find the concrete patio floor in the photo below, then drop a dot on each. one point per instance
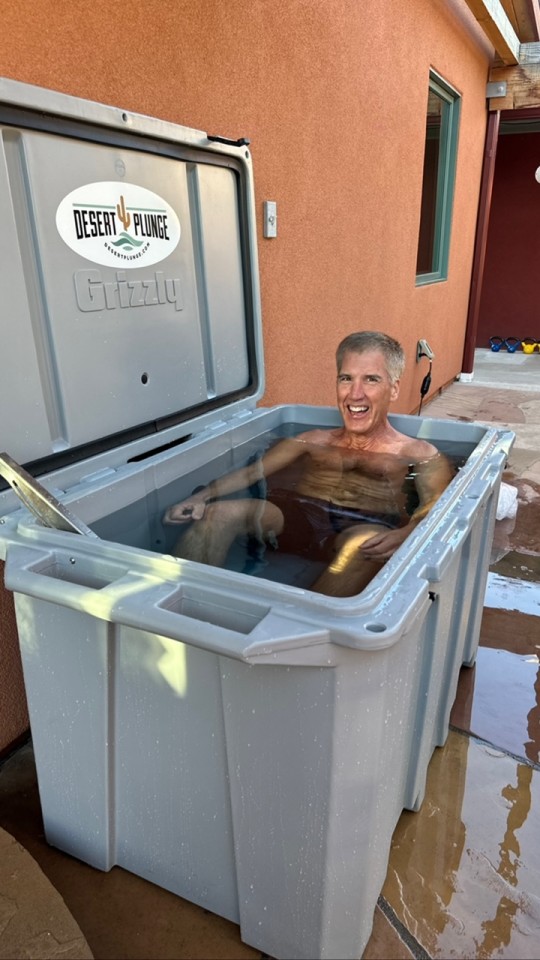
(463, 877)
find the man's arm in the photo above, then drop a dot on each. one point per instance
(432, 477)
(276, 458)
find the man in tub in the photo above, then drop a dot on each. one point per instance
(337, 495)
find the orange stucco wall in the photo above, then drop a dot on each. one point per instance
(332, 94)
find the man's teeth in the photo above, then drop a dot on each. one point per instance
(358, 409)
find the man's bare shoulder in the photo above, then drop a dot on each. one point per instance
(319, 437)
(414, 449)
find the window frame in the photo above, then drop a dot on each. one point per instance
(446, 177)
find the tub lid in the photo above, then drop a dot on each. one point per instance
(128, 269)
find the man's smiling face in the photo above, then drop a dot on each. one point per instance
(364, 392)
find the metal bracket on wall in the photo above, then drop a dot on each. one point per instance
(270, 218)
(496, 89)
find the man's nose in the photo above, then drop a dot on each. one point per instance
(356, 390)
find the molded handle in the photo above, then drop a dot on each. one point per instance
(184, 612)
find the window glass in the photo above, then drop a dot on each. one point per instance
(438, 181)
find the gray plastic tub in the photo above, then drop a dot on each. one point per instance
(247, 744)
(233, 737)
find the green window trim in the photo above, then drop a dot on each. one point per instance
(437, 208)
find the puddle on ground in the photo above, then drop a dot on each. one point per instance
(464, 872)
(498, 699)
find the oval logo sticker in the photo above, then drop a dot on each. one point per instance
(118, 224)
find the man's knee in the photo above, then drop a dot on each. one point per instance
(273, 518)
(218, 510)
(251, 516)
(352, 540)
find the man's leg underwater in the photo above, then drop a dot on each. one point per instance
(349, 572)
(209, 540)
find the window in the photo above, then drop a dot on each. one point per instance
(438, 181)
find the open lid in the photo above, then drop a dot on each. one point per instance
(128, 271)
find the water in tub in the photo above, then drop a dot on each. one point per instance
(377, 490)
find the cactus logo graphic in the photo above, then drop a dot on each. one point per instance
(118, 224)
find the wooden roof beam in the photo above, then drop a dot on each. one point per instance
(520, 85)
(491, 16)
(524, 15)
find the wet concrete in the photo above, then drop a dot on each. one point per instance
(464, 872)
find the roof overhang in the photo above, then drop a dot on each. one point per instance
(508, 24)
(498, 27)
(513, 28)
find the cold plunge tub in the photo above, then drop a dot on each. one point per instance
(247, 744)
(237, 739)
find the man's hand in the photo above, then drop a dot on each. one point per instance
(191, 509)
(381, 546)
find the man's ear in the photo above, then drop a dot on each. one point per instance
(394, 393)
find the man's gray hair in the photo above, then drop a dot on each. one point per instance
(365, 340)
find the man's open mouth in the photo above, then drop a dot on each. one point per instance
(357, 409)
